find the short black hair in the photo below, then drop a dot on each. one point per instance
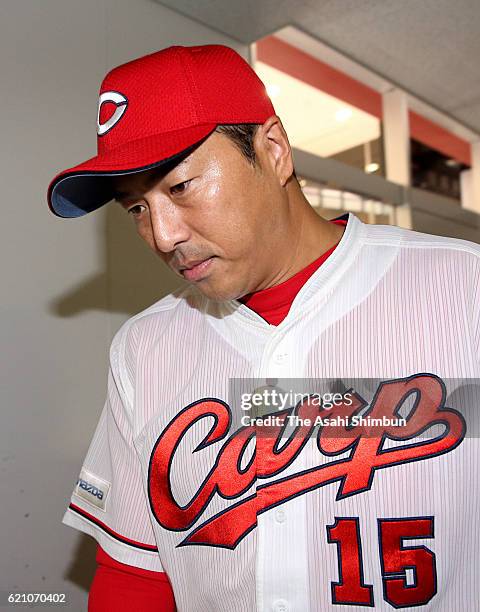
(242, 135)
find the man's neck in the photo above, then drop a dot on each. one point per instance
(274, 303)
(308, 237)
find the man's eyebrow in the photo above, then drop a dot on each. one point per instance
(118, 196)
(156, 175)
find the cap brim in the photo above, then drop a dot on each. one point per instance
(88, 186)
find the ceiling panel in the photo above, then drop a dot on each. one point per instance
(428, 47)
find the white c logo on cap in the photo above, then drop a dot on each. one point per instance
(121, 102)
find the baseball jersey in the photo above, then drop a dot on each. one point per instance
(316, 510)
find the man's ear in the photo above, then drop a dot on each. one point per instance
(272, 148)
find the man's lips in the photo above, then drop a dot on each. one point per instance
(190, 264)
(195, 271)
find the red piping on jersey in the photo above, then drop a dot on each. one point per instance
(109, 531)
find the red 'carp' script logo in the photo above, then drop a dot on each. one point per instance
(354, 473)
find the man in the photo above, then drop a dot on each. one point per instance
(291, 513)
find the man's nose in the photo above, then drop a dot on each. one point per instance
(168, 227)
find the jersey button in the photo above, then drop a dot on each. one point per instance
(280, 357)
(280, 515)
(281, 605)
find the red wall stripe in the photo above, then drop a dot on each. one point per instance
(300, 65)
(440, 139)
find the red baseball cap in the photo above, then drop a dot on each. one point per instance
(154, 109)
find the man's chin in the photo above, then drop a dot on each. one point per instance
(216, 294)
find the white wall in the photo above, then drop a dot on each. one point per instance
(67, 284)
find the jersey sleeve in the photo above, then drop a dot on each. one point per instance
(109, 501)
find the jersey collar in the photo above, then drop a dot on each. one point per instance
(315, 288)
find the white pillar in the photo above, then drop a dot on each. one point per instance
(466, 189)
(403, 216)
(470, 181)
(396, 137)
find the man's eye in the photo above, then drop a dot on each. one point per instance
(179, 187)
(135, 210)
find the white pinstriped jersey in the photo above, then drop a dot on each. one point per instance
(172, 483)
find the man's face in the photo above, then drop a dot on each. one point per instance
(214, 205)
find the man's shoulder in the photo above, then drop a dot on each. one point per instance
(156, 317)
(421, 243)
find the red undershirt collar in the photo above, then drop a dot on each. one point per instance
(274, 303)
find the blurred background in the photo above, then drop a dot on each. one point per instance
(381, 101)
